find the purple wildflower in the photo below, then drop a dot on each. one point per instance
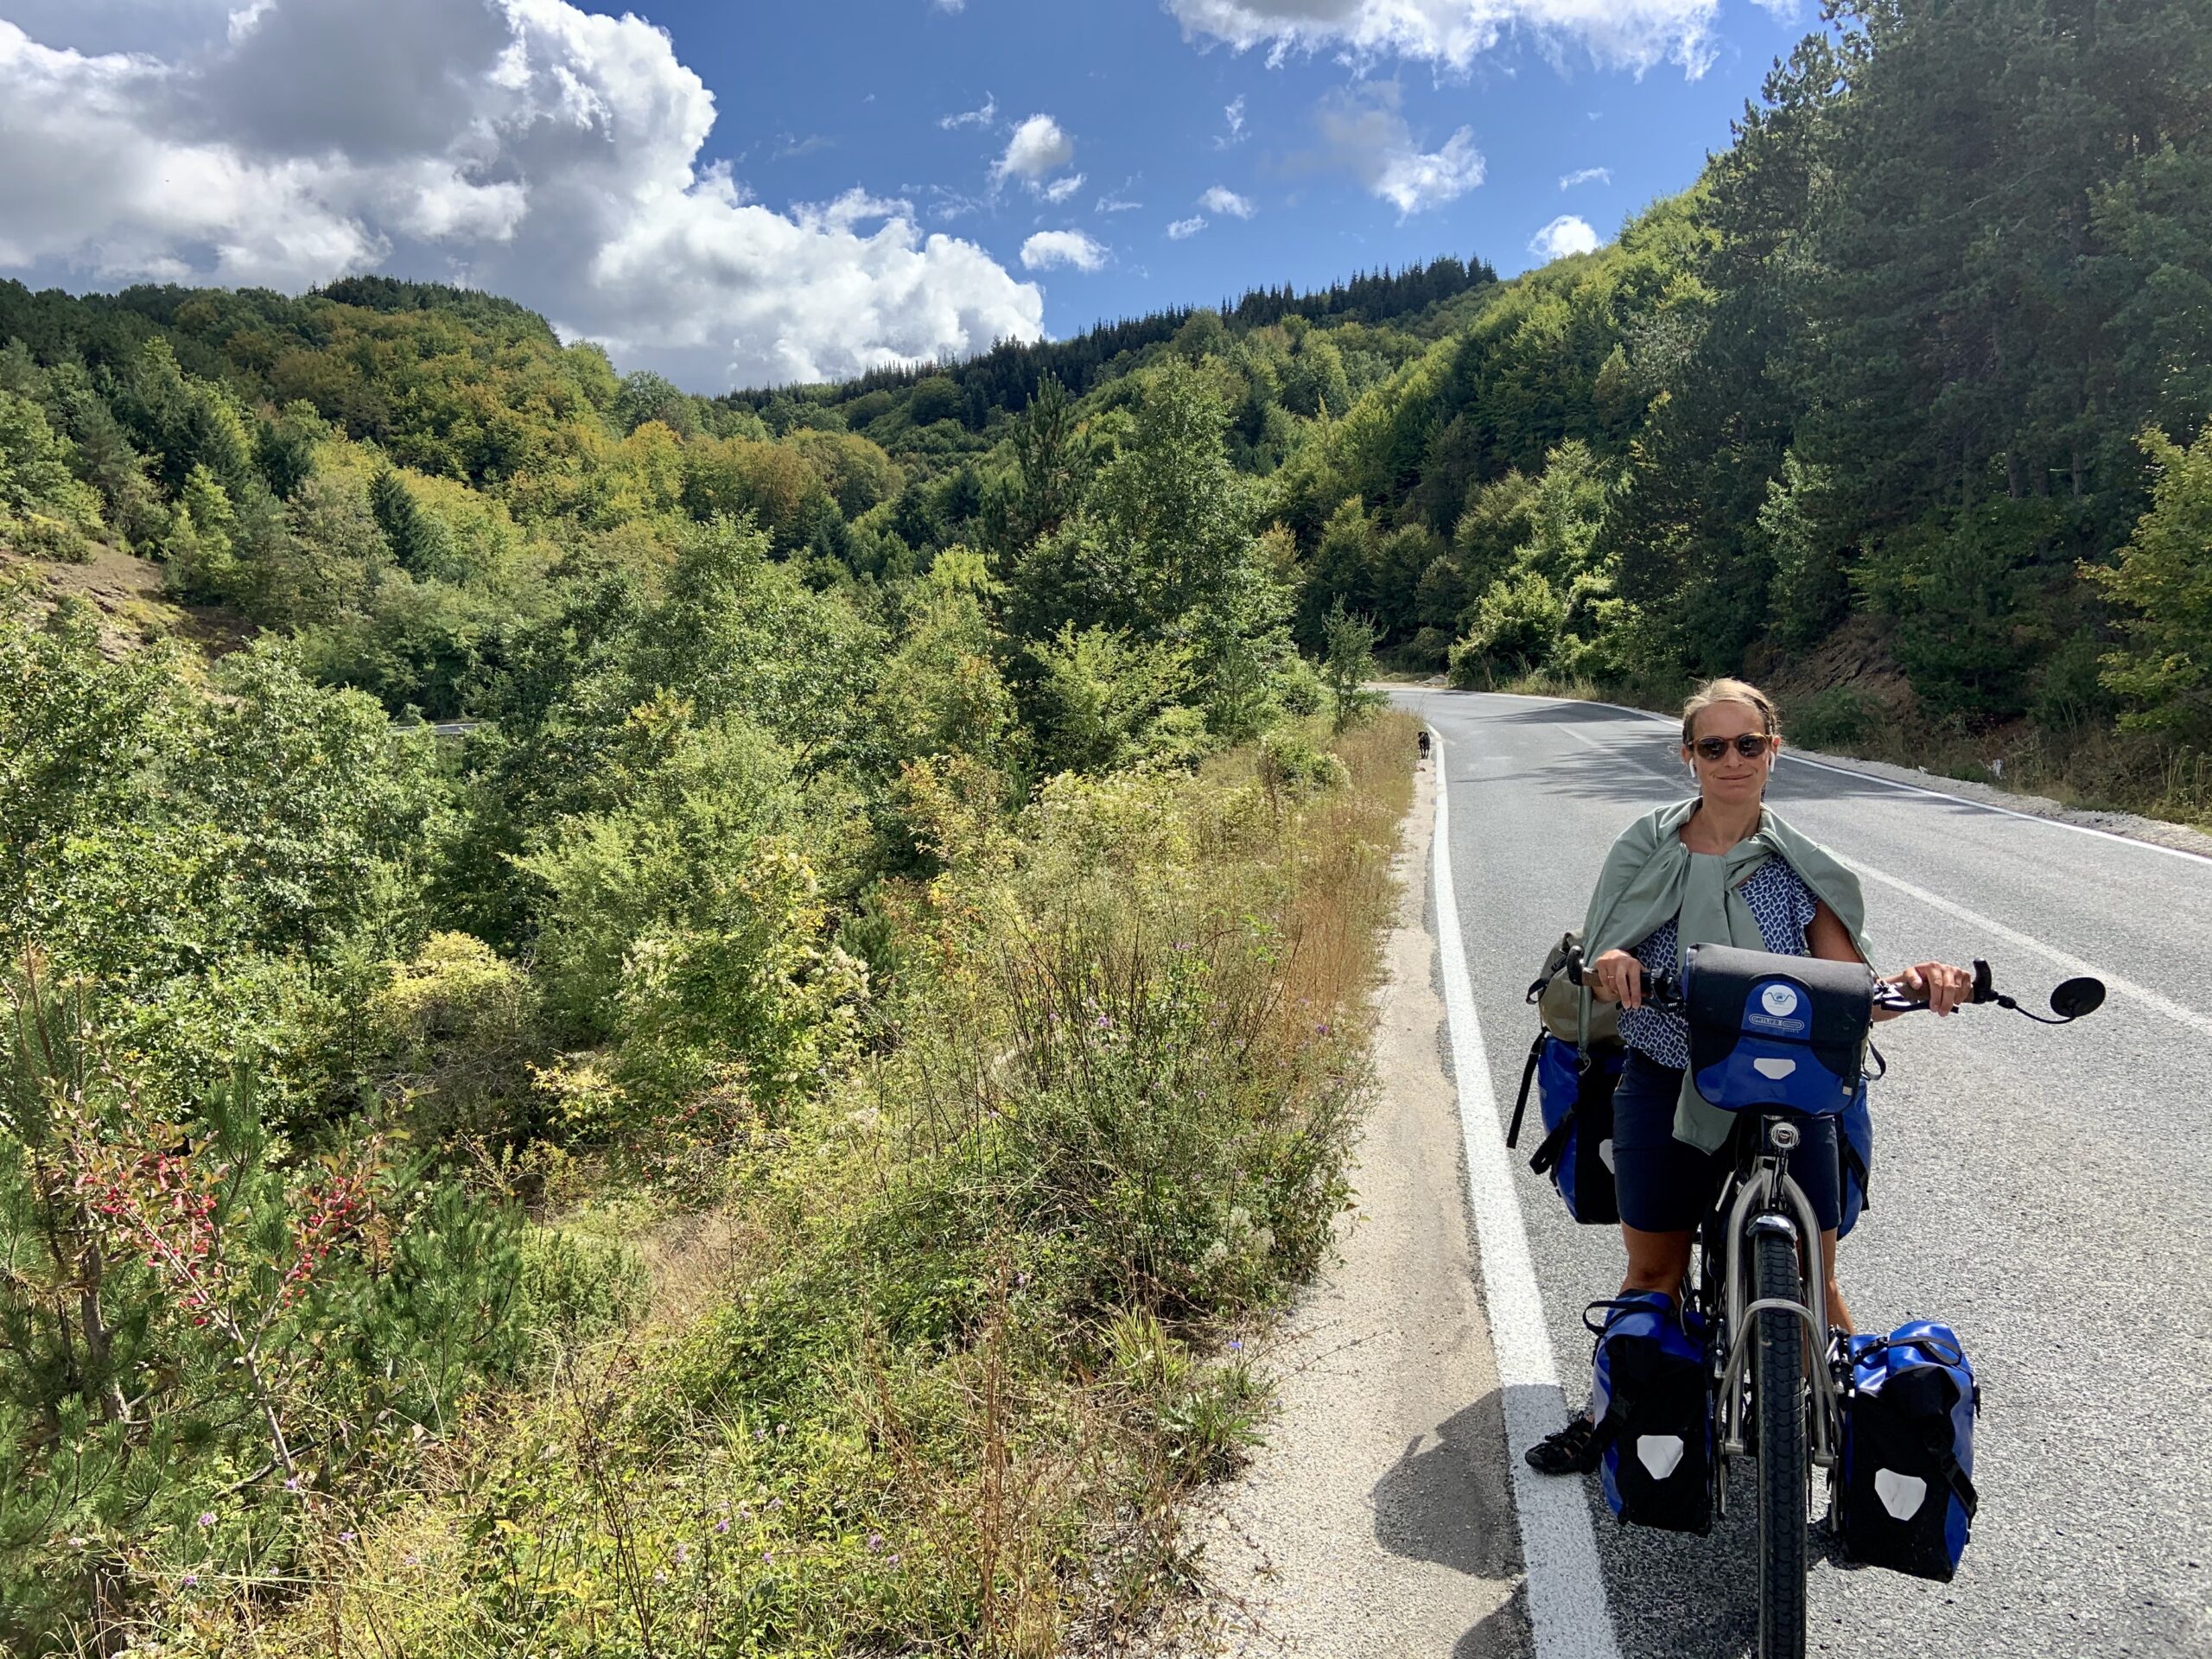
(207, 1517)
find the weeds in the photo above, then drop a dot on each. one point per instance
(937, 1374)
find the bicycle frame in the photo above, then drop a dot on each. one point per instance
(1764, 1198)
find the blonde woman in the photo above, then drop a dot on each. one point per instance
(1720, 868)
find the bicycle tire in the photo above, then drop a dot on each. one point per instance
(1778, 1408)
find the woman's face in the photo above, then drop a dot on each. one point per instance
(1735, 778)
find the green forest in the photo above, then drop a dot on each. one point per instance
(639, 1023)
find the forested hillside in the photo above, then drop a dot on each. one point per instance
(765, 1134)
(768, 1128)
(1895, 407)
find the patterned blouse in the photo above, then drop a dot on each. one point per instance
(1782, 905)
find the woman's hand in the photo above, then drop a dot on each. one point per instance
(1944, 988)
(1616, 976)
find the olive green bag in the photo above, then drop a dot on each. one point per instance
(1558, 1000)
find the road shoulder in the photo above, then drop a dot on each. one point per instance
(1377, 1520)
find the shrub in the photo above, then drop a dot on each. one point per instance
(1838, 719)
(459, 1025)
(1291, 766)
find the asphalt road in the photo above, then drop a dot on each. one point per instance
(2049, 1192)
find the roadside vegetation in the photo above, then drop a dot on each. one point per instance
(761, 1143)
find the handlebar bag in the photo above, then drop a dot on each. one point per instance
(1576, 1101)
(1651, 1402)
(1776, 1031)
(1904, 1495)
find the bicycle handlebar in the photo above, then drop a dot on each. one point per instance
(2073, 999)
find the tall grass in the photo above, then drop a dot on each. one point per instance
(936, 1379)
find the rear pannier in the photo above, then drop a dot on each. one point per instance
(1905, 1492)
(1651, 1405)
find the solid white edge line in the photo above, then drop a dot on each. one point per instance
(1566, 1591)
(2199, 859)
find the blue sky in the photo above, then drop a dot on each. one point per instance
(741, 194)
(1148, 112)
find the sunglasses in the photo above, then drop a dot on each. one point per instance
(1750, 745)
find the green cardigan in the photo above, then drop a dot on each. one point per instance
(1649, 879)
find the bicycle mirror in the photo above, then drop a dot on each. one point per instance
(2077, 997)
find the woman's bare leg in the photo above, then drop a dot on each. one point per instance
(1657, 1261)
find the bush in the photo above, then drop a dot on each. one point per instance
(1838, 720)
(1291, 766)
(459, 1025)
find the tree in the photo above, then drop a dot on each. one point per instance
(2164, 581)
(1348, 663)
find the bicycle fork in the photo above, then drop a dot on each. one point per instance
(1770, 1202)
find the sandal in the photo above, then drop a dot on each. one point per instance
(1573, 1450)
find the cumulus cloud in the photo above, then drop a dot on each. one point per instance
(1564, 235)
(1060, 189)
(1617, 34)
(1049, 248)
(1039, 146)
(1366, 135)
(1183, 228)
(1222, 199)
(1585, 175)
(547, 153)
(981, 117)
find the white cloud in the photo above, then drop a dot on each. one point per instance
(1234, 115)
(950, 5)
(551, 154)
(1222, 199)
(1037, 147)
(1617, 33)
(1049, 248)
(1585, 175)
(1116, 201)
(1060, 189)
(1564, 235)
(1183, 228)
(976, 118)
(1368, 137)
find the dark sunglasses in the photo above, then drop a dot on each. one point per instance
(1750, 745)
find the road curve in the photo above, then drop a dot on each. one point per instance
(2047, 1192)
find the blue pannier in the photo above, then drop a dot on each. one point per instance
(1905, 1492)
(1855, 1146)
(1576, 1101)
(1651, 1402)
(1787, 1032)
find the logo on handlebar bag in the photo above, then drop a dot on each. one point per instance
(1780, 1003)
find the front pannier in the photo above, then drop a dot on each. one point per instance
(1576, 1101)
(1905, 1492)
(1651, 1404)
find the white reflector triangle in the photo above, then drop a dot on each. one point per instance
(1605, 1153)
(1901, 1495)
(1662, 1454)
(1767, 1068)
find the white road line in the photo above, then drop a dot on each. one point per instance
(1975, 919)
(2067, 960)
(1567, 1593)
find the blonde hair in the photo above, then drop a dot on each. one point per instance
(1728, 691)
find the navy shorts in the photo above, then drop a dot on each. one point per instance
(1667, 1186)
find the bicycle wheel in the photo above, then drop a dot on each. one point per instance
(1778, 1411)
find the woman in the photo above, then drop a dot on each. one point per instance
(1720, 869)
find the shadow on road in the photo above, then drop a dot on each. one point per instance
(1445, 1504)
